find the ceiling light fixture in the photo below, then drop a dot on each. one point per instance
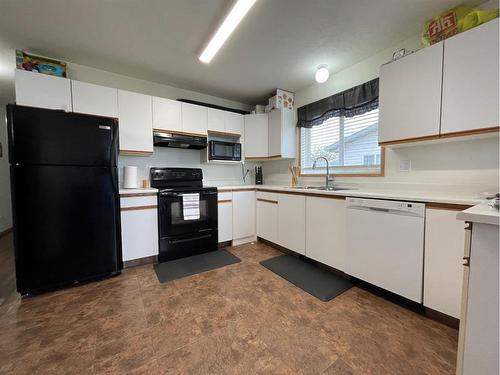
(322, 73)
(240, 9)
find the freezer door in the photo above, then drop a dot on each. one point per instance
(66, 225)
(51, 137)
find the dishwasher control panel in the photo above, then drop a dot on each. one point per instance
(411, 208)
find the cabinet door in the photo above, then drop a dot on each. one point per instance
(42, 90)
(243, 214)
(139, 227)
(470, 80)
(288, 132)
(274, 145)
(167, 114)
(292, 222)
(234, 123)
(410, 95)
(267, 216)
(256, 136)
(216, 120)
(135, 123)
(194, 119)
(225, 214)
(94, 99)
(444, 242)
(325, 231)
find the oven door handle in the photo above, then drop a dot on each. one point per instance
(190, 239)
(170, 194)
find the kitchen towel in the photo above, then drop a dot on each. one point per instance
(191, 206)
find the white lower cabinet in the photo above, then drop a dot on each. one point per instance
(325, 230)
(243, 214)
(139, 222)
(444, 242)
(292, 222)
(267, 216)
(225, 216)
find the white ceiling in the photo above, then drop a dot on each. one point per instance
(278, 44)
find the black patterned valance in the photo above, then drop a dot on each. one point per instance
(355, 101)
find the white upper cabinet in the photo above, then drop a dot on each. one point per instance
(135, 123)
(282, 133)
(194, 119)
(234, 123)
(410, 95)
(470, 80)
(292, 222)
(42, 90)
(256, 136)
(94, 99)
(167, 114)
(216, 120)
(325, 231)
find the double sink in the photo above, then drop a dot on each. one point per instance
(326, 188)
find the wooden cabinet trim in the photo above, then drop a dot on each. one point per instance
(129, 195)
(225, 201)
(243, 189)
(263, 157)
(267, 200)
(227, 134)
(443, 135)
(447, 206)
(139, 208)
(179, 133)
(136, 152)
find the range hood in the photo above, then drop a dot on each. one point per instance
(179, 141)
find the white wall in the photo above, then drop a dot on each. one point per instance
(470, 166)
(213, 174)
(5, 203)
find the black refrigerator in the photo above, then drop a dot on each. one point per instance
(65, 200)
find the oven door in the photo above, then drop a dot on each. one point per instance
(171, 214)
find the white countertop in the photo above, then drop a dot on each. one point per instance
(481, 213)
(407, 195)
(125, 192)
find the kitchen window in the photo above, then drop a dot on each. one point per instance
(349, 143)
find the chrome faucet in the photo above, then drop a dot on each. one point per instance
(328, 178)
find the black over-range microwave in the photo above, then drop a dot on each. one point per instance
(219, 150)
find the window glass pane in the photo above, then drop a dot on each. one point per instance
(349, 143)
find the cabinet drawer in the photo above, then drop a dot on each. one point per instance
(138, 202)
(225, 196)
(267, 196)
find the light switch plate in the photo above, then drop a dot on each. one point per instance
(405, 165)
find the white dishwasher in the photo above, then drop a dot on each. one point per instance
(385, 244)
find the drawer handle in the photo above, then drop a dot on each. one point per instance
(267, 200)
(466, 262)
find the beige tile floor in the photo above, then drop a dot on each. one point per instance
(240, 319)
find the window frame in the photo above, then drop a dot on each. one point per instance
(378, 173)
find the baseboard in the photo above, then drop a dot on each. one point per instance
(224, 244)
(140, 261)
(5, 232)
(241, 241)
(440, 317)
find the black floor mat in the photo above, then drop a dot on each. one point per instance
(175, 269)
(316, 281)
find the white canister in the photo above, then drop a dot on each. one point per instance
(129, 177)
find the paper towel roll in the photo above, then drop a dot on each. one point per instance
(129, 177)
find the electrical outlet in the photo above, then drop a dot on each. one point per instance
(405, 165)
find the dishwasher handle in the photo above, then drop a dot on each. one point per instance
(378, 209)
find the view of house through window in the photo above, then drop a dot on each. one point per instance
(349, 143)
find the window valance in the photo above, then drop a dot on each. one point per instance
(352, 102)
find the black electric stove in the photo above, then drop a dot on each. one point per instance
(182, 234)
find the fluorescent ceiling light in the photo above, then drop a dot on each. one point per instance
(232, 20)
